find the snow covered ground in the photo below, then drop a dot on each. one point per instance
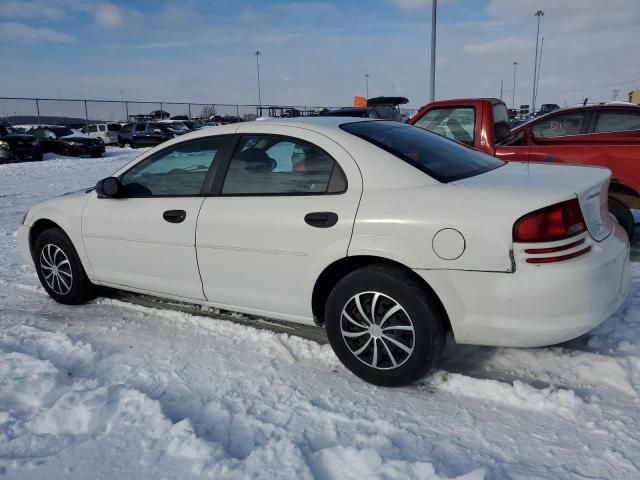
(113, 390)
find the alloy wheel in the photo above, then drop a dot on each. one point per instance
(56, 269)
(377, 330)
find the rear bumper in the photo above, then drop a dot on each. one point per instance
(537, 305)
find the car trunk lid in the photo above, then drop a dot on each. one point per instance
(589, 184)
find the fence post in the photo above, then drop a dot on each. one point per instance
(189, 106)
(38, 110)
(86, 113)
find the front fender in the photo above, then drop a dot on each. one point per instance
(66, 212)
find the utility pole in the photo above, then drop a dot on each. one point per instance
(539, 14)
(614, 94)
(366, 77)
(257, 54)
(432, 85)
(501, 86)
(513, 92)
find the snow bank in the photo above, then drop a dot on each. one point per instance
(518, 394)
(112, 390)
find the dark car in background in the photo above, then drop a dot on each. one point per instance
(146, 134)
(18, 147)
(64, 141)
(384, 108)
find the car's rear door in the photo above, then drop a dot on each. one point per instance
(562, 137)
(146, 240)
(282, 209)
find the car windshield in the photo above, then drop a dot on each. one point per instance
(443, 159)
(7, 130)
(60, 131)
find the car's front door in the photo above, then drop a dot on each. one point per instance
(284, 212)
(146, 240)
(138, 135)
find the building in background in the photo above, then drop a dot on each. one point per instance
(634, 96)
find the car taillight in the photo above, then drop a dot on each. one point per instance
(556, 222)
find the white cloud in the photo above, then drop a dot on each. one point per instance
(109, 15)
(500, 46)
(13, 32)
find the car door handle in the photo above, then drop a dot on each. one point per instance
(174, 216)
(321, 219)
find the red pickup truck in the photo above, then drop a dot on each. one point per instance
(605, 135)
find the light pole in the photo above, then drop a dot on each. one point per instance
(432, 85)
(513, 92)
(539, 66)
(539, 14)
(257, 54)
(366, 77)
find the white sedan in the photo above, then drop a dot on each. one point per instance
(388, 235)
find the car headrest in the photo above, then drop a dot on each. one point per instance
(255, 159)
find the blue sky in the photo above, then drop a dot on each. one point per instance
(314, 52)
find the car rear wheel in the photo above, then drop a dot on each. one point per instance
(65, 152)
(385, 326)
(59, 268)
(623, 216)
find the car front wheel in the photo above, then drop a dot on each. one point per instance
(384, 325)
(59, 268)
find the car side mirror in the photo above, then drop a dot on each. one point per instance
(109, 187)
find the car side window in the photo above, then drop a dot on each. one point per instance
(102, 128)
(562, 125)
(179, 170)
(275, 165)
(140, 127)
(617, 121)
(456, 123)
(92, 129)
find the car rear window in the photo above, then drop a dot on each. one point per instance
(443, 159)
(113, 127)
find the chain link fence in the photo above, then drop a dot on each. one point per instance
(19, 110)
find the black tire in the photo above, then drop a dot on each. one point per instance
(80, 289)
(65, 152)
(420, 309)
(624, 216)
(96, 155)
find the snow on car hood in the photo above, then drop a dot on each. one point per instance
(589, 184)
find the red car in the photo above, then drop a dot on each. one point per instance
(605, 135)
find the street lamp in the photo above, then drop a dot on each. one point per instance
(257, 54)
(432, 86)
(539, 14)
(513, 92)
(366, 76)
